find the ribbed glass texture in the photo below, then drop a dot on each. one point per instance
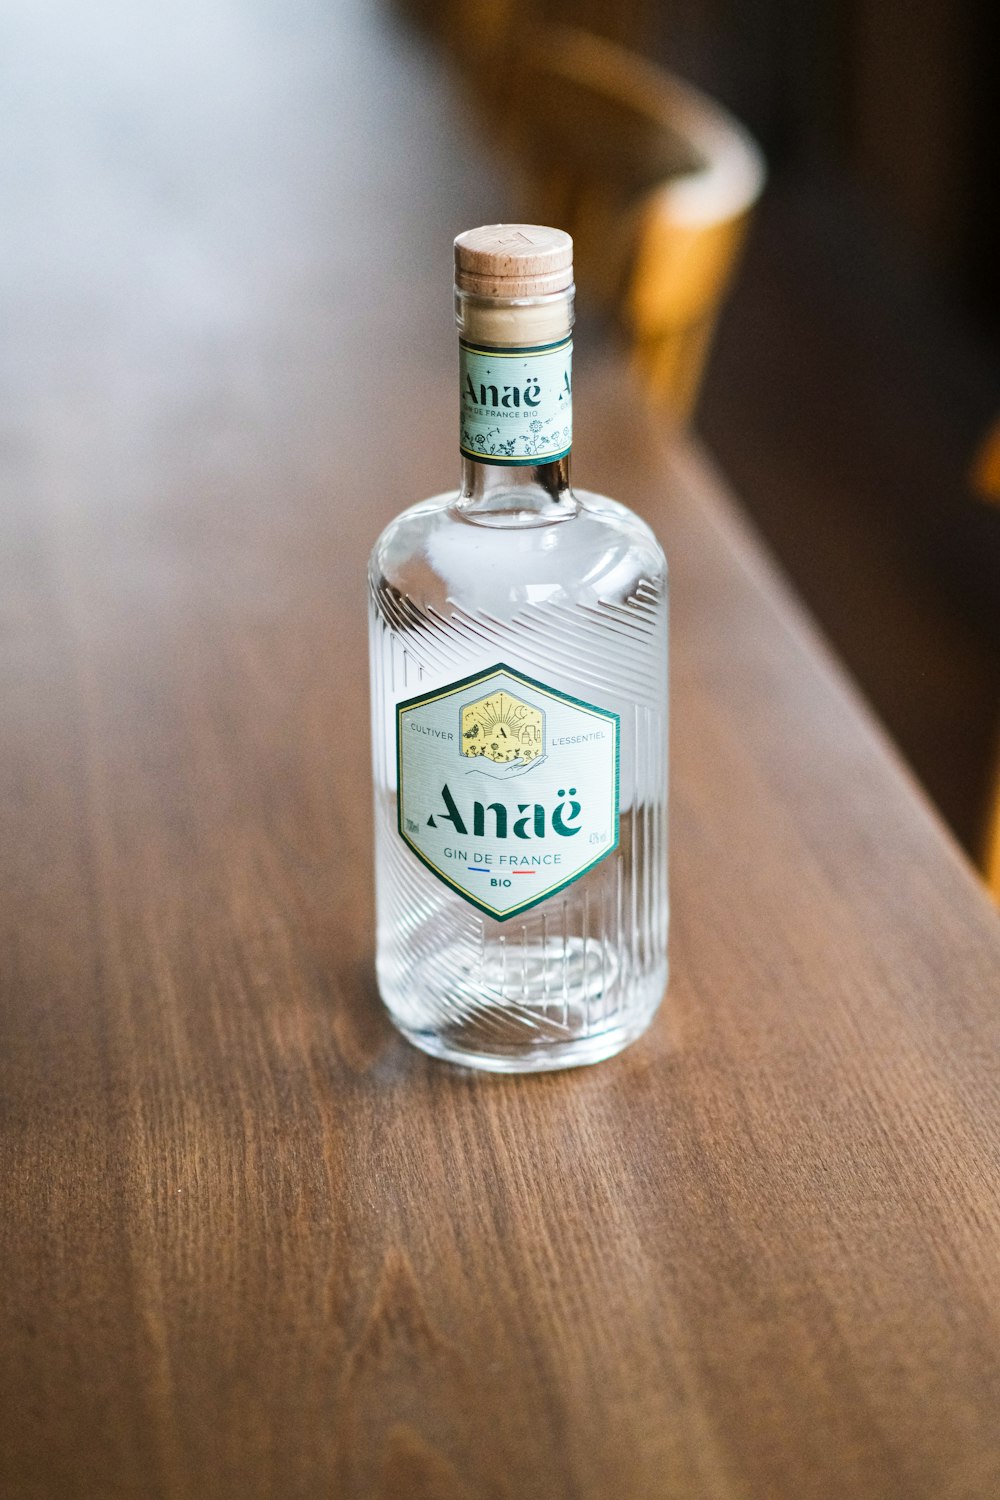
(580, 604)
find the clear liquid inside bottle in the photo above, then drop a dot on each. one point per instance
(580, 603)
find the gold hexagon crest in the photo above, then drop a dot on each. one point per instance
(503, 729)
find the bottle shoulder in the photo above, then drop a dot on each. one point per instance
(602, 553)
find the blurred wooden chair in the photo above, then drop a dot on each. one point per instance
(654, 181)
(985, 483)
(991, 859)
(632, 23)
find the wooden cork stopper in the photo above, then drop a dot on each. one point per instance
(513, 260)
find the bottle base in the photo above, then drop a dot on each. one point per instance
(538, 1057)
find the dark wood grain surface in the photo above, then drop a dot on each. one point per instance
(251, 1244)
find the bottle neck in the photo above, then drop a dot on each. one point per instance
(516, 409)
(523, 496)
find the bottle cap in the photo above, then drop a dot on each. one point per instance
(513, 260)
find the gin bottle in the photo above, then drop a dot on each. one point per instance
(519, 708)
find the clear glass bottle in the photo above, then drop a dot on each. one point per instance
(519, 709)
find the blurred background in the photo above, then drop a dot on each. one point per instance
(842, 361)
(785, 212)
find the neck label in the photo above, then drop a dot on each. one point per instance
(516, 404)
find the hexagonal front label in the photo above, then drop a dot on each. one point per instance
(508, 789)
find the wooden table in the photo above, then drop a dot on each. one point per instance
(251, 1244)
